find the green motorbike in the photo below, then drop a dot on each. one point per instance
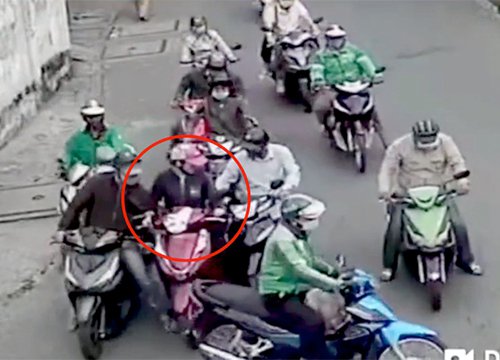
(429, 246)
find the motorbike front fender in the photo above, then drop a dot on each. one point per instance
(391, 334)
(85, 307)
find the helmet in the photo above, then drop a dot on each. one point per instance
(122, 162)
(92, 108)
(257, 137)
(220, 86)
(302, 212)
(188, 153)
(286, 4)
(198, 24)
(335, 36)
(425, 134)
(105, 155)
(217, 61)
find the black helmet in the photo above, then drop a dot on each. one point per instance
(217, 61)
(197, 21)
(256, 137)
(220, 79)
(425, 134)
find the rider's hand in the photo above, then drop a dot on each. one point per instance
(59, 236)
(463, 186)
(174, 104)
(219, 212)
(384, 195)
(233, 60)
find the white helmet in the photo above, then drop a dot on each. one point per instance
(92, 108)
(302, 212)
(335, 31)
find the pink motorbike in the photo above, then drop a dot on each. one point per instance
(186, 233)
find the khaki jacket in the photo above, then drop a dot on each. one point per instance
(404, 166)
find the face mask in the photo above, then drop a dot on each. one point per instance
(220, 94)
(200, 30)
(286, 4)
(309, 225)
(336, 44)
(428, 143)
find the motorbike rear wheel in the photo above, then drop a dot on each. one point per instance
(415, 347)
(435, 289)
(360, 152)
(89, 339)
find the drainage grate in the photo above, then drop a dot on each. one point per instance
(120, 51)
(142, 29)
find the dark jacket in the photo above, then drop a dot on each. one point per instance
(227, 117)
(196, 83)
(100, 197)
(197, 191)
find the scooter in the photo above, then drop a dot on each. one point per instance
(103, 295)
(184, 233)
(234, 327)
(264, 216)
(297, 49)
(350, 126)
(429, 246)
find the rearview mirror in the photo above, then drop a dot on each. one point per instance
(319, 20)
(276, 184)
(340, 260)
(461, 175)
(236, 47)
(381, 69)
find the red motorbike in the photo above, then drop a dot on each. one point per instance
(187, 233)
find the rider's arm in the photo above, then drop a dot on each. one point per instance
(454, 157)
(317, 72)
(83, 198)
(389, 168)
(116, 140)
(302, 270)
(186, 56)
(290, 167)
(221, 45)
(365, 62)
(306, 17)
(229, 177)
(268, 19)
(325, 268)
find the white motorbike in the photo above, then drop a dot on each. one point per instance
(351, 125)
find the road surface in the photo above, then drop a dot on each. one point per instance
(442, 60)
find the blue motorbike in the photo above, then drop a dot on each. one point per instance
(234, 327)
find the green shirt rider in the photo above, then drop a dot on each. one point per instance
(289, 270)
(338, 62)
(82, 146)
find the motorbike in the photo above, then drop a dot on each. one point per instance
(75, 179)
(103, 295)
(234, 327)
(264, 216)
(297, 49)
(185, 233)
(429, 246)
(351, 126)
(217, 157)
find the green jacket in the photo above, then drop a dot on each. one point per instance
(81, 147)
(290, 267)
(335, 67)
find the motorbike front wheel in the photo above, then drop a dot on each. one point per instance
(415, 348)
(435, 289)
(89, 339)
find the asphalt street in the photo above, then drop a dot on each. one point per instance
(442, 59)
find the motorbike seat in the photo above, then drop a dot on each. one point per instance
(240, 298)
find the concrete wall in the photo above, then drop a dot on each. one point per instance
(34, 58)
